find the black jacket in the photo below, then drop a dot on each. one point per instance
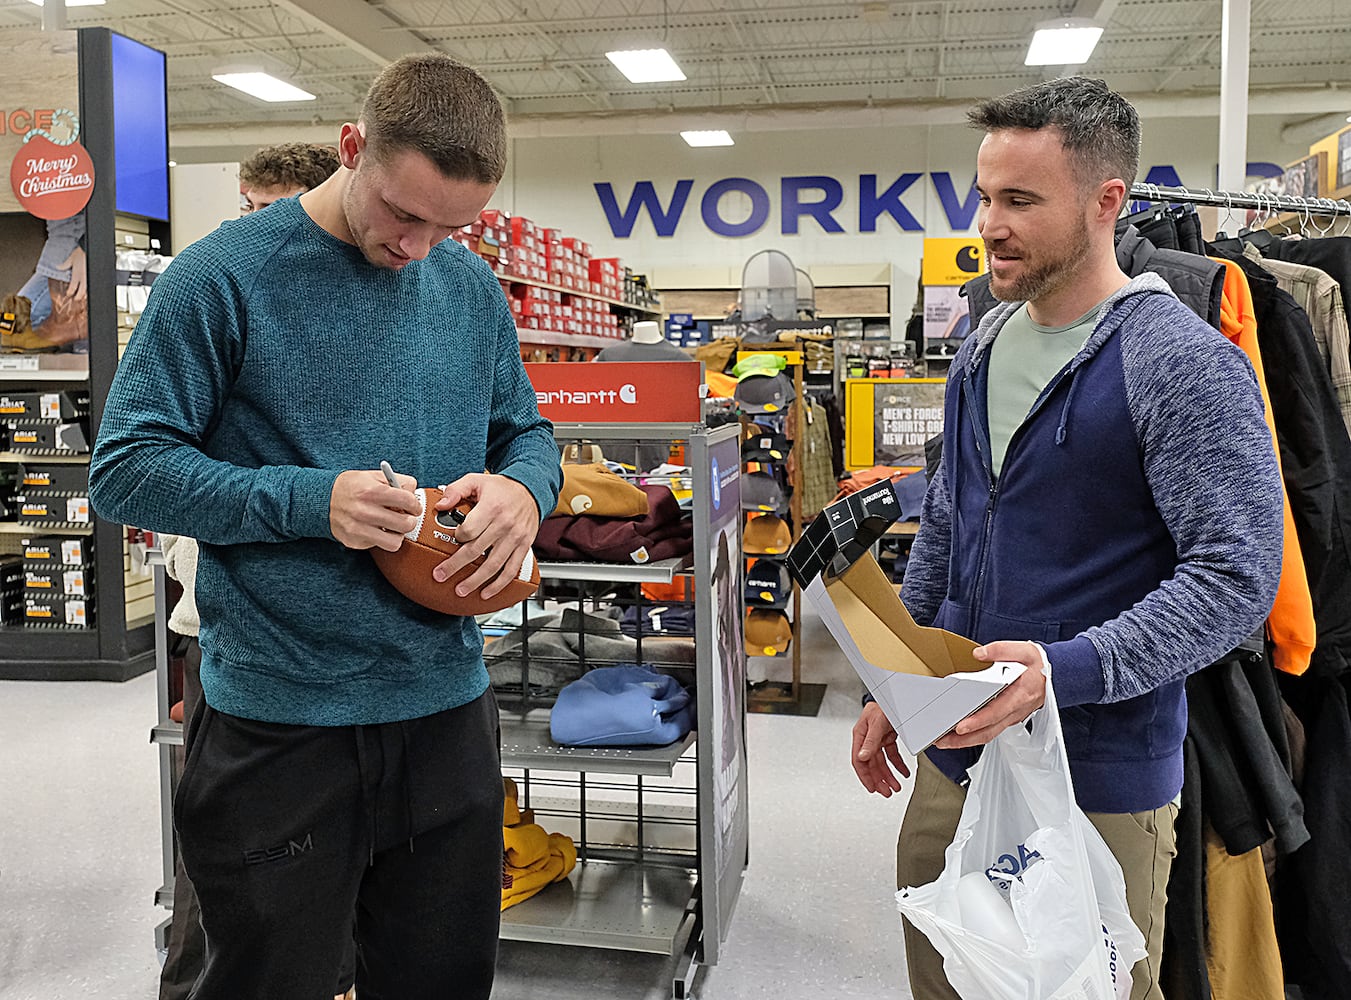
(1315, 459)
(1313, 904)
(1198, 282)
(1246, 789)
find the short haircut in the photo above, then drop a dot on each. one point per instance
(289, 165)
(1099, 128)
(443, 109)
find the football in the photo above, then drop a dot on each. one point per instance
(431, 542)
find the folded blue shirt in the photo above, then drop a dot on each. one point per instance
(622, 706)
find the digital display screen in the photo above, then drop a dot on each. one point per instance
(140, 129)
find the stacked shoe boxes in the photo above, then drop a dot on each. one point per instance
(46, 423)
(53, 496)
(58, 586)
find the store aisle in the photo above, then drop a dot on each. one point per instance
(79, 840)
(80, 857)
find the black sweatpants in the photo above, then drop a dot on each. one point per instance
(290, 833)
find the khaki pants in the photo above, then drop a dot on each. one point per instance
(1142, 843)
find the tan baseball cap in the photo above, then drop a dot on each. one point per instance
(766, 535)
(768, 632)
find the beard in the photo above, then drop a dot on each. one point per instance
(1042, 273)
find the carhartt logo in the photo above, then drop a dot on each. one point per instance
(290, 849)
(626, 393)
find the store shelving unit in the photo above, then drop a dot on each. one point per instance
(119, 643)
(662, 839)
(581, 346)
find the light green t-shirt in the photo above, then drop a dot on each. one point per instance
(1023, 360)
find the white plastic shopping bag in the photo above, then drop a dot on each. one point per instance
(1031, 904)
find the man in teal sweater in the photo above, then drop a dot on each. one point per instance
(344, 766)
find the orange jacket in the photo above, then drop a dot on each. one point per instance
(1290, 626)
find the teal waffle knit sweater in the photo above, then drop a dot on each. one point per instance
(272, 357)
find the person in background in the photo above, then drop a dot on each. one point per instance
(284, 170)
(280, 171)
(1107, 508)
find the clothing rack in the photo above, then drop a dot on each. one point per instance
(1305, 207)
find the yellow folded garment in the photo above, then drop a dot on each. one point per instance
(524, 844)
(519, 884)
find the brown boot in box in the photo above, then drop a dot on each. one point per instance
(68, 324)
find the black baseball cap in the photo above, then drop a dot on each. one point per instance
(768, 584)
(768, 446)
(764, 393)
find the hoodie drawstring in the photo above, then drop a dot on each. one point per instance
(1063, 430)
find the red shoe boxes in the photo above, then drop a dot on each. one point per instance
(606, 274)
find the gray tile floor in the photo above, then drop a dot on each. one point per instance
(80, 860)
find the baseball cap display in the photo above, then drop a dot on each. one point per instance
(766, 535)
(762, 491)
(768, 584)
(766, 446)
(768, 632)
(764, 393)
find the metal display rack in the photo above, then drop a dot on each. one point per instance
(661, 832)
(661, 854)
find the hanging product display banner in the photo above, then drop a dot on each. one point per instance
(889, 419)
(618, 392)
(52, 181)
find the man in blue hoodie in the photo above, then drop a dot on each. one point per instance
(343, 768)
(1108, 503)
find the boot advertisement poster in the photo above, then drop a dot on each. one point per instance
(43, 295)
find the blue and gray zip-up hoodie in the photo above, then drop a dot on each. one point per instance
(1134, 531)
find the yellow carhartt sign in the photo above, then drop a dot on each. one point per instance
(952, 261)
